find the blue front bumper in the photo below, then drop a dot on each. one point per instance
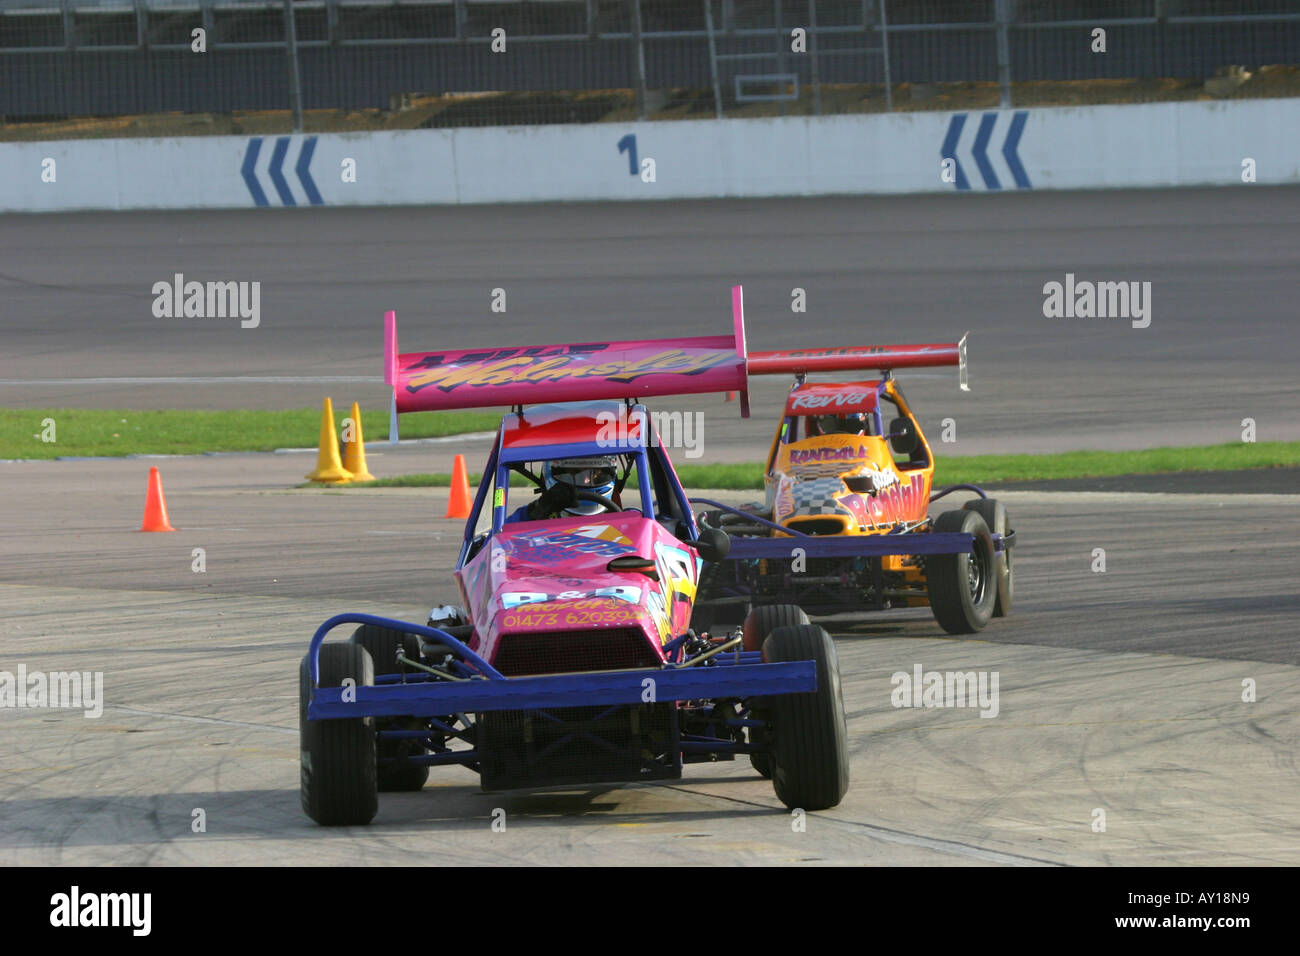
(727, 676)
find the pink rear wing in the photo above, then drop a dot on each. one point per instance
(518, 375)
(858, 358)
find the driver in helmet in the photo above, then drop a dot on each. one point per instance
(562, 481)
(856, 423)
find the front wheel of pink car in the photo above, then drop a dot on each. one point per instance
(761, 622)
(338, 755)
(810, 752)
(393, 773)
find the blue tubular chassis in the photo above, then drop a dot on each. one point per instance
(846, 573)
(745, 548)
(473, 686)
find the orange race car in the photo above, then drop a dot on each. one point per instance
(846, 524)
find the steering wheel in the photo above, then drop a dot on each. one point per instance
(606, 503)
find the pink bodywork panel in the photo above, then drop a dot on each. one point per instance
(552, 576)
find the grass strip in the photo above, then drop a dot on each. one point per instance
(115, 432)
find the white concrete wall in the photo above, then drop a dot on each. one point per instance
(1161, 144)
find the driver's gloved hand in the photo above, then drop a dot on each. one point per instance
(553, 501)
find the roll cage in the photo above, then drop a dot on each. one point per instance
(660, 493)
(793, 427)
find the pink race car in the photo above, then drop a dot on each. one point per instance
(570, 659)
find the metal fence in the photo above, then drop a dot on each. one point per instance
(365, 64)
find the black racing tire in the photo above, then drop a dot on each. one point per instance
(762, 621)
(995, 516)
(759, 623)
(394, 775)
(810, 751)
(338, 777)
(962, 587)
(382, 643)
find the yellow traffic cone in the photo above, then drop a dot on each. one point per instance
(328, 466)
(354, 452)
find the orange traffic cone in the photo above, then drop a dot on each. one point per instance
(354, 452)
(328, 466)
(731, 397)
(459, 504)
(155, 505)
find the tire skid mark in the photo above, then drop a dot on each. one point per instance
(889, 835)
(203, 720)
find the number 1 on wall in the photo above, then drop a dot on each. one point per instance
(628, 145)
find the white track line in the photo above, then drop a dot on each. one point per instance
(1154, 497)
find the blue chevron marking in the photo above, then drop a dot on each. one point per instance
(246, 170)
(277, 174)
(979, 150)
(949, 148)
(303, 169)
(1009, 150)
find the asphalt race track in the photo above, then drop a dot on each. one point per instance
(1221, 344)
(1120, 691)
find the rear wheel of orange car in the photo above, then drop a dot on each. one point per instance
(963, 587)
(995, 516)
(761, 622)
(810, 752)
